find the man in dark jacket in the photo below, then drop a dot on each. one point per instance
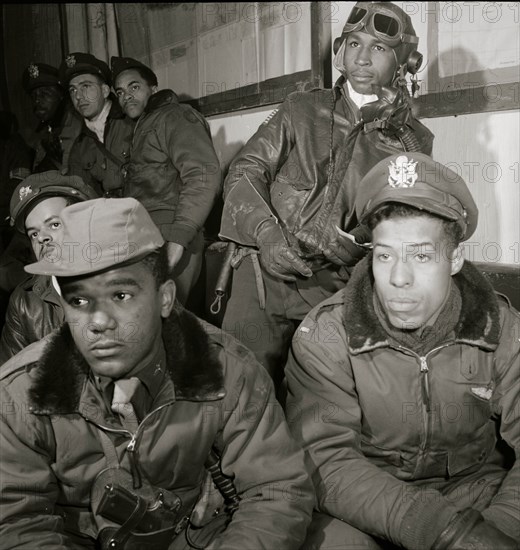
(173, 170)
(403, 388)
(58, 123)
(34, 308)
(289, 194)
(101, 150)
(167, 402)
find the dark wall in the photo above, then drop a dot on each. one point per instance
(30, 32)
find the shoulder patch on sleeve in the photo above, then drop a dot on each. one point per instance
(28, 355)
(271, 115)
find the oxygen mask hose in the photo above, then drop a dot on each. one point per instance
(390, 114)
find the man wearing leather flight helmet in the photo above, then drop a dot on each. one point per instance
(289, 195)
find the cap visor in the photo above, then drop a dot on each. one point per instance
(60, 268)
(418, 198)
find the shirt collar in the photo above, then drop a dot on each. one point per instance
(97, 124)
(151, 376)
(360, 99)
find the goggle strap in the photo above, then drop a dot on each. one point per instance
(410, 38)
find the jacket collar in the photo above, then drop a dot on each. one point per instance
(192, 364)
(161, 99)
(479, 322)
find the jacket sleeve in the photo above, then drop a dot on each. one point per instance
(504, 510)
(247, 201)
(79, 156)
(268, 467)
(324, 415)
(189, 146)
(424, 136)
(17, 254)
(28, 491)
(13, 334)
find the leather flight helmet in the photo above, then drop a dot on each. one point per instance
(389, 24)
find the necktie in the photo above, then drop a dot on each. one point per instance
(124, 390)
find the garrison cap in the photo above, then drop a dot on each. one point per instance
(83, 63)
(40, 74)
(100, 234)
(45, 185)
(120, 64)
(417, 180)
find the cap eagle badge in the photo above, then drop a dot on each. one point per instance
(70, 61)
(402, 172)
(25, 191)
(33, 70)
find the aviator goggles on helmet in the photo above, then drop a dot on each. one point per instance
(379, 21)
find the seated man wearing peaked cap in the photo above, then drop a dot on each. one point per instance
(111, 424)
(102, 148)
(404, 387)
(34, 308)
(58, 124)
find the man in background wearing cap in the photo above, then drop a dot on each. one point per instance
(403, 388)
(144, 388)
(58, 124)
(102, 148)
(292, 187)
(173, 171)
(34, 308)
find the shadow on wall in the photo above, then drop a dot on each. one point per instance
(463, 145)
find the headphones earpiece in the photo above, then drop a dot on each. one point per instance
(414, 62)
(337, 44)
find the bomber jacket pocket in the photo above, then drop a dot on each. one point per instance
(469, 457)
(381, 456)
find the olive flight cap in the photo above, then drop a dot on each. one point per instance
(99, 235)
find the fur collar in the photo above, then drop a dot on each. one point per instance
(192, 364)
(160, 99)
(479, 322)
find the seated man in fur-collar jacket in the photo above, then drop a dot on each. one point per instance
(414, 368)
(137, 425)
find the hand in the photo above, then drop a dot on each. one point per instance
(276, 255)
(469, 531)
(343, 250)
(175, 252)
(485, 536)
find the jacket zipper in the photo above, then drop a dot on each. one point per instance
(131, 447)
(425, 383)
(425, 390)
